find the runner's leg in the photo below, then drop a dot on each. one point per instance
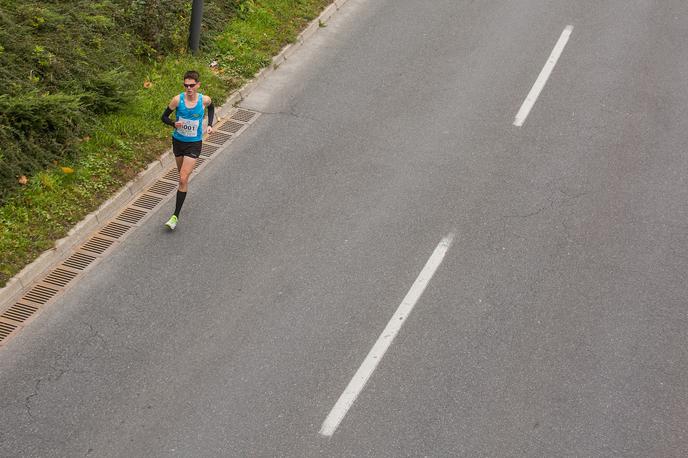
(185, 169)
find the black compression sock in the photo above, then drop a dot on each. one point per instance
(180, 201)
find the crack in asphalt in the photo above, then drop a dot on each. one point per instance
(528, 215)
(290, 113)
(553, 202)
(27, 400)
(57, 372)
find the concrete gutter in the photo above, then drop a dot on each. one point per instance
(24, 280)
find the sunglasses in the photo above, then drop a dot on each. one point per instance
(189, 85)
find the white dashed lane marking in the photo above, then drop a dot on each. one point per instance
(385, 340)
(543, 77)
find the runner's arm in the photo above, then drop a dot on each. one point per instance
(211, 114)
(166, 117)
(174, 103)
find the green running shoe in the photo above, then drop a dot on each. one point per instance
(172, 222)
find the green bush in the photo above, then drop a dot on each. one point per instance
(161, 25)
(63, 62)
(107, 92)
(37, 130)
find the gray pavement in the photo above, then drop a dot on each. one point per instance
(554, 327)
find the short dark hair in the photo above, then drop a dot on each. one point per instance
(192, 75)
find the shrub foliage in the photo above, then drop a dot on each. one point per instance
(64, 63)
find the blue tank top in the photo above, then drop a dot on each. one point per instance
(192, 119)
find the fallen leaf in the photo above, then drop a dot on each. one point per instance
(67, 169)
(147, 84)
(23, 180)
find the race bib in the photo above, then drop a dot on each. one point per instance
(189, 127)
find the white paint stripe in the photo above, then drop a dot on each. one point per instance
(542, 78)
(371, 361)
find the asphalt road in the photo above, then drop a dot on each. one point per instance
(554, 326)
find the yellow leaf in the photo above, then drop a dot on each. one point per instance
(67, 169)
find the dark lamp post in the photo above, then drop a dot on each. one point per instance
(195, 28)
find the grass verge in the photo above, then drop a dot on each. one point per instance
(122, 144)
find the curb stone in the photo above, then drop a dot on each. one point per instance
(20, 283)
(327, 13)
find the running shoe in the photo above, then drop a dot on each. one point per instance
(172, 222)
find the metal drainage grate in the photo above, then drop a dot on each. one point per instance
(97, 245)
(79, 261)
(218, 138)
(172, 175)
(6, 329)
(40, 294)
(131, 215)
(114, 230)
(19, 312)
(147, 202)
(243, 115)
(208, 150)
(162, 187)
(12, 319)
(60, 277)
(231, 127)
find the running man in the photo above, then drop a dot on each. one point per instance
(187, 137)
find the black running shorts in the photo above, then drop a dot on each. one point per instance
(191, 149)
